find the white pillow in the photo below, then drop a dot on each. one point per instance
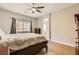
(2, 34)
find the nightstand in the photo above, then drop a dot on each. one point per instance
(4, 50)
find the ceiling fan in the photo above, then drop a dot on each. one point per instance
(34, 8)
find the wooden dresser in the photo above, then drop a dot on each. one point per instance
(38, 30)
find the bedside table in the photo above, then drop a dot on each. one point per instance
(4, 50)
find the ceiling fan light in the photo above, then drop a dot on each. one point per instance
(33, 9)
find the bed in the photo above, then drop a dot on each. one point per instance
(25, 43)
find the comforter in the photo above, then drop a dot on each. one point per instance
(23, 40)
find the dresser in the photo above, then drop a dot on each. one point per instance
(37, 30)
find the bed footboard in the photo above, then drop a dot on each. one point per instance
(31, 50)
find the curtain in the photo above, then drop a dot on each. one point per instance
(13, 26)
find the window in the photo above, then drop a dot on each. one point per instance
(23, 26)
(45, 25)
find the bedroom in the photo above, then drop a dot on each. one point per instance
(54, 21)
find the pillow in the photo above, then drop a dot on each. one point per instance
(2, 34)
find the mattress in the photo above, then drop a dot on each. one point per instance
(23, 40)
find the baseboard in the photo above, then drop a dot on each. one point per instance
(63, 43)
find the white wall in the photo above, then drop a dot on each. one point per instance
(63, 25)
(5, 20)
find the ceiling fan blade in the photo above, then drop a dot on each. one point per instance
(38, 11)
(40, 7)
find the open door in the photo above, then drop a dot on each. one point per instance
(77, 30)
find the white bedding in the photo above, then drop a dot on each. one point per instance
(20, 41)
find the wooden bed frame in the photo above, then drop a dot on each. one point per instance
(31, 50)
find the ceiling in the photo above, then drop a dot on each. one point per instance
(21, 7)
